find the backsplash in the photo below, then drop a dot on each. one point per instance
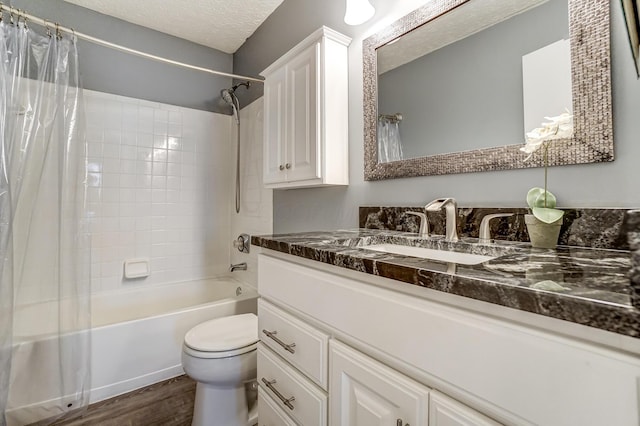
(633, 224)
(597, 228)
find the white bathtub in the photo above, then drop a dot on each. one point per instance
(136, 336)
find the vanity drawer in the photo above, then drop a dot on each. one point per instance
(269, 414)
(305, 347)
(306, 404)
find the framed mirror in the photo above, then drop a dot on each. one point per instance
(449, 77)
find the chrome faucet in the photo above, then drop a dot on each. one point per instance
(424, 224)
(485, 230)
(451, 208)
(238, 267)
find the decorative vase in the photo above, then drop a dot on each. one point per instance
(541, 234)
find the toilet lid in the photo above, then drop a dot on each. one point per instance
(223, 334)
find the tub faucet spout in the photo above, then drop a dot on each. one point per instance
(238, 267)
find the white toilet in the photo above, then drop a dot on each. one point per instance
(220, 355)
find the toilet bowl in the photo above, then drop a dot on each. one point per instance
(220, 355)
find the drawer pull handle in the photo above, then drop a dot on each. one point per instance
(399, 422)
(285, 401)
(272, 335)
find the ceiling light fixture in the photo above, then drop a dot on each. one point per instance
(358, 12)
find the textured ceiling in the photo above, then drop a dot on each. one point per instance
(219, 24)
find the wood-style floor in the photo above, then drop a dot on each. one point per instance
(168, 403)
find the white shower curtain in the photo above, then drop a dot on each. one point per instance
(44, 241)
(389, 142)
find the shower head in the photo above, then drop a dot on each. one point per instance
(228, 96)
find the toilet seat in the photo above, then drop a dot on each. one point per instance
(223, 337)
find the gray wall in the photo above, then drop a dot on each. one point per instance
(595, 185)
(110, 71)
(289, 24)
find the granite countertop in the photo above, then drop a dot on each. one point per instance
(582, 285)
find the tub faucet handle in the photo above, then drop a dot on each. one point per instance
(242, 243)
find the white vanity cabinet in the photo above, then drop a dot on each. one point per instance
(364, 392)
(445, 411)
(306, 114)
(292, 367)
(308, 378)
(425, 360)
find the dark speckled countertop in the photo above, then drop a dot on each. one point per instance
(582, 285)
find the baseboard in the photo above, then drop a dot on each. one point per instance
(118, 388)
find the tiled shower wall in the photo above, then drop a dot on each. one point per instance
(160, 181)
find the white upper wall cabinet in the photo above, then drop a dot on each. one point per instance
(306, 124)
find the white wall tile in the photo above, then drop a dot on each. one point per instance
(128, 152)
(129, 138)
(128, 165)
(159, 187)
(111, 149)
(144, 140)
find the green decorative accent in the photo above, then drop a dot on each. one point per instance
(546, 199)
(542, 204)
(547, 215)
(533, 195)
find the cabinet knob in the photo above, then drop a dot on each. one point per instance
(281, 167)
(399, 422)
(287, 166)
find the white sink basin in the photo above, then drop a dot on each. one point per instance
(426, 253)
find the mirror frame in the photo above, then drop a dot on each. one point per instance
(589, 32)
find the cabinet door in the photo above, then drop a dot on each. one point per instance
(364, 392)
(302, 126)
(444, 411)
(275, 127)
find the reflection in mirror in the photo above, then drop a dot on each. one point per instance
(466, 74)
(389, 141)
(474, 86)
(546, 83)
(632, 16)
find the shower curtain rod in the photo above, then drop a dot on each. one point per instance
(21, 14)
